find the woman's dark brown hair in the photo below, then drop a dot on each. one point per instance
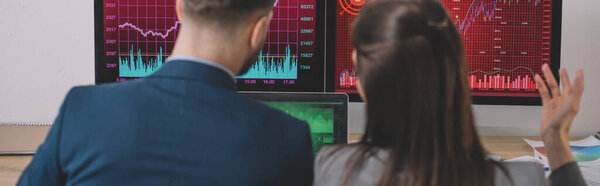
(412, 67)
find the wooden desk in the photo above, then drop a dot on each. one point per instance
(507, 147)
(11, 168)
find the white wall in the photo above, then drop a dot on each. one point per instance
(581, 47)
(580, 50)
(47, 46)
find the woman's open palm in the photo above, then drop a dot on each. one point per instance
(559, 107)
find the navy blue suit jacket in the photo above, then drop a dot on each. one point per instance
(183, 125)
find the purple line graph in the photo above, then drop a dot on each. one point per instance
(151, 32)
(150, 25)
(481, 9)
(147, 27)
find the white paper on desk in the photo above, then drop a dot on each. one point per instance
(589, 168)
(524, 159)
(531, 159)
(585, 151)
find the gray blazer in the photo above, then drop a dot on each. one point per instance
(329, 170)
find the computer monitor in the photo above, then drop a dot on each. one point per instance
(326, 114)
(506, 42)
(134, 38)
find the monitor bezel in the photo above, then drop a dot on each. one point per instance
(478, 100)
(99, 43)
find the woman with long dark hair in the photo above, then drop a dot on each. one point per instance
(420, 129)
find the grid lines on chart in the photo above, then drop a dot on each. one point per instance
(147, 25)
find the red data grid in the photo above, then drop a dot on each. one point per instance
(506, 42)
(346, 11)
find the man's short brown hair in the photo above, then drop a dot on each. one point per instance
(226, 12)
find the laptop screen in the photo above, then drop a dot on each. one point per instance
(326, 114)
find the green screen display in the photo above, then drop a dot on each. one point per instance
(320, 117)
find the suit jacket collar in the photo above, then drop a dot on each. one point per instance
(190, 70)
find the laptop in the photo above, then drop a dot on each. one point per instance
(325, 113)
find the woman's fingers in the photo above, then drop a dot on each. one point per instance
(542, 88)
(565, 82)
(553, 85)
(578, 83)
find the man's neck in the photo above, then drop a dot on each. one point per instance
(209, 48)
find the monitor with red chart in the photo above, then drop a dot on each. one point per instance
(506, 42)
(134, 39)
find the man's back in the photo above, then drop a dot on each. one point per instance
(184, 125)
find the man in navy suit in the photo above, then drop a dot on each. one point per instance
(185, 124)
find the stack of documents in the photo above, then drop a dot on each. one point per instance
(586, 153)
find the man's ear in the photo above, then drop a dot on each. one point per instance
(259, 30)
(359, 87)
(179, 10)
(354, 57)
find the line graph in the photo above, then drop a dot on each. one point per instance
(497, 70)
(151, 32)
(483, 9)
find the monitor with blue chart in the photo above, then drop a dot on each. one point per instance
(134, 39)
